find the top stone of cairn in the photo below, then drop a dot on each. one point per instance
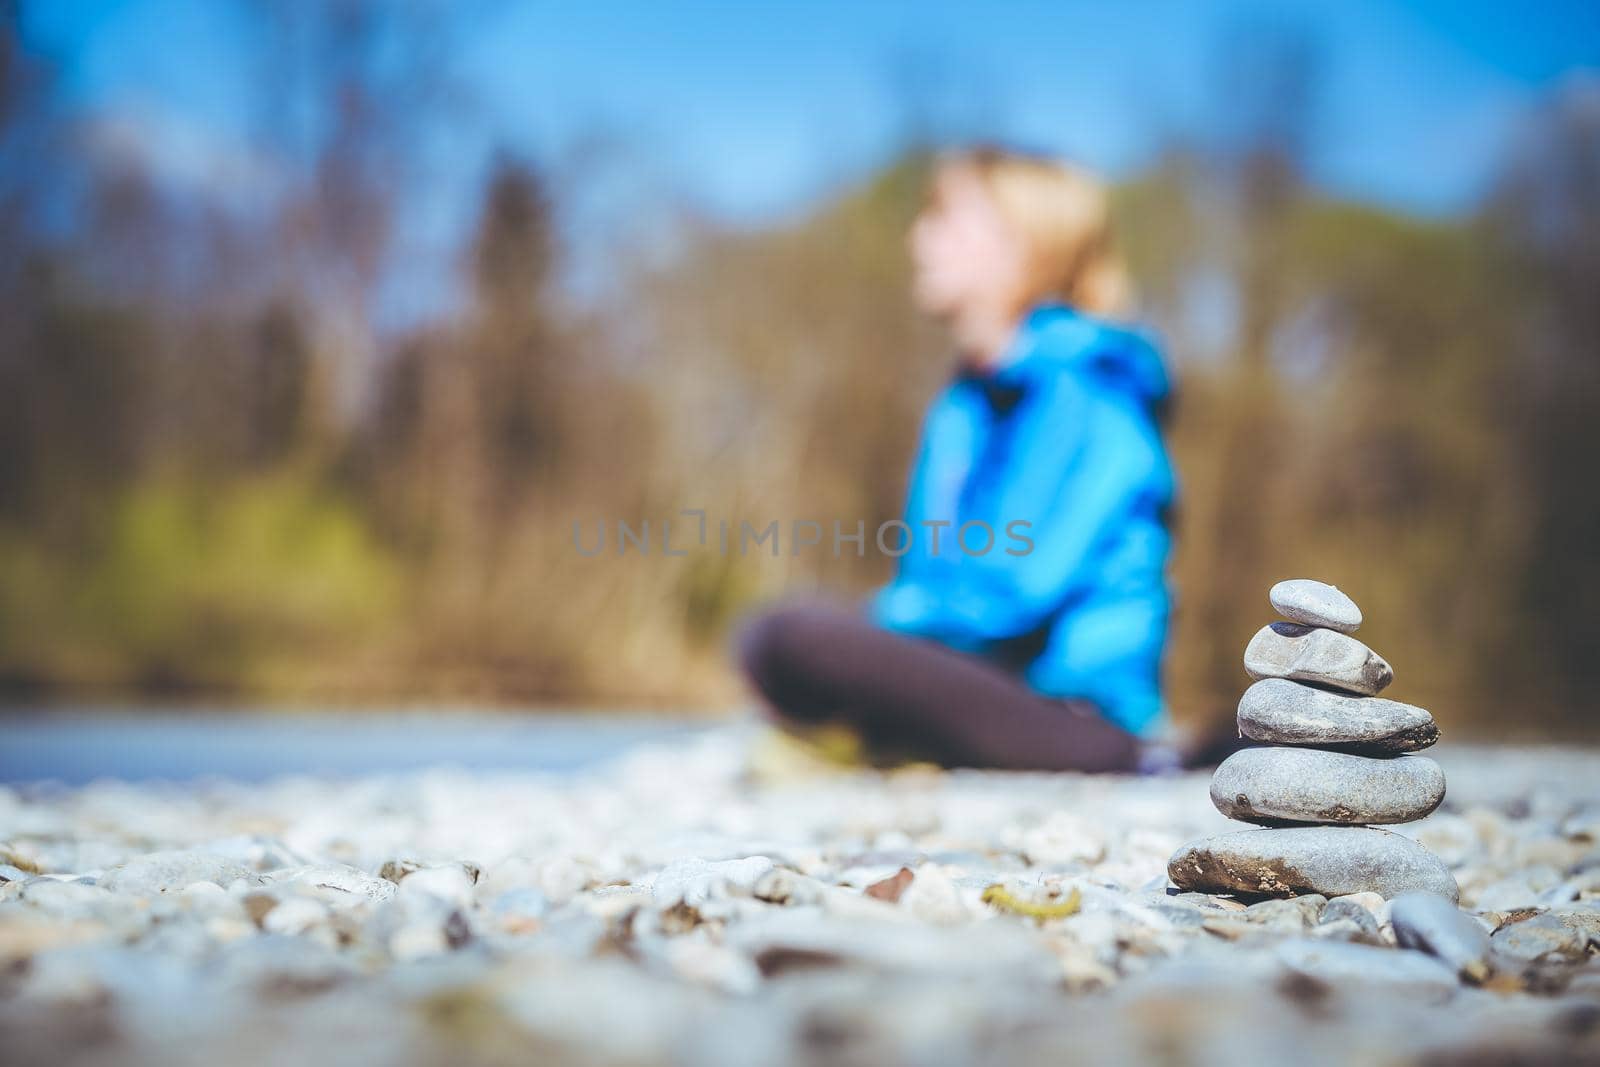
(1312, 603)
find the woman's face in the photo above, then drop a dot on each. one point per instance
(964, 257)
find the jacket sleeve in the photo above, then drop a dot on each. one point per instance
(1080, 463)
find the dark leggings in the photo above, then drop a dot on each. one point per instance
(917, 698)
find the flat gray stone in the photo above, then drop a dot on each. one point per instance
(166, 872)
(1313, 603)
(1363, 966)
(1331, 860)
(1312, 654)
(1542, 938)
(1282, 712)
(1273, 786)
(1350, 912)
(1432, 924)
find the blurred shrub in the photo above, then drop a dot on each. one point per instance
(200, 588)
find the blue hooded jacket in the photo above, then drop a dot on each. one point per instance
(1062, 437)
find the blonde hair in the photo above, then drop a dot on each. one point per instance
(1063, 214)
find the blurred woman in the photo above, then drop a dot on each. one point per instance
(1044, 651)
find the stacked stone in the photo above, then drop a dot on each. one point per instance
(1339, 765)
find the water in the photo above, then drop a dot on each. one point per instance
(80, 746)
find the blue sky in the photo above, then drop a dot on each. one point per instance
(754, 109)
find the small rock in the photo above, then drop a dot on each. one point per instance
(933, 897)
(451, 883)
(209, 899)
(168, 872)
(1540, 939)
(225, 930)
(1583, 824)
(782, 941)
(1358, 966)
(19, 859)
(69, 900)
(695, 881)
(1297, 912)
(712, 965)
(1584, 919)
(1508, 894)
(1313, 603)
(1310, 654)
(890, 888)
(784, 886)
(1351, 918)
(257, 906)
(257, 853)
(1371, 903)
(396, 870)
(519, 910)
(418, 940)
(1281, 712)
(1287, 785)
(1063, 839)
(1331, 860)
(272, 963)
(336, 885)
(1433, 925)
(1346, 930)
(295, 915)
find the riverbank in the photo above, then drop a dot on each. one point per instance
(693, 902)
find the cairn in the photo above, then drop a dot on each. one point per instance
(1339, 765)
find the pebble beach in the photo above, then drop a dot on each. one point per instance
(685, 903)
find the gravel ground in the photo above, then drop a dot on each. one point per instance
(685, 904)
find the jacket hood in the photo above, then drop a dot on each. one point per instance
(1055, 337)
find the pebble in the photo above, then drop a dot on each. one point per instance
(1433, 925)
(418, 940)
(1298, 912)
(1331, 860)
(1313, 603)
(1512, 893)
(932, 897)
(695, 881)
(1343, 964)
(295, 916)
(520, 908)
(335, 884)
(784, 940)
(1310, 654)
(1540, 939)
(281, 965)
(786, 887)
(1583, 824)
(1281, 712)
(168, 872)
(1372, 903)
(1353, 915)
(1346, 930)
(69, 900)
(208, 899)
(1301, 785)
(451, 884)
